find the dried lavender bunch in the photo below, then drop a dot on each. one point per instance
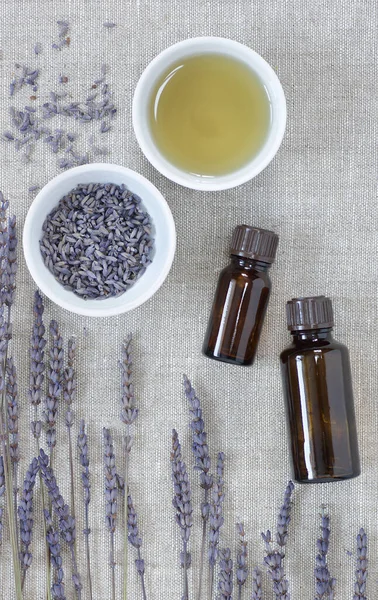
(324, 583)
(67, 525)
(12, 405)
(111, 493)
(2, 490)
(241, 559)
(225, 584)
(37, 365)
(25, 514)
(69, 395)
(256, 585)
(136, 541)
(362, 564)
(182, 503)
(274, 558)
(82, 444)
(202, 464)
(216, 520)
(54, 385)
(52, 538)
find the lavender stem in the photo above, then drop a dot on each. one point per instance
(135, 540)
(84, 461)
(241, 560)
(69, 394)
(216, 520)
(111, 493)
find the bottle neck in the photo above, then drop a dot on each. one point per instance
(313, 335)
(249, 263)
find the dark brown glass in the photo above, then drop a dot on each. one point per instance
(238, 312)
(318, 390)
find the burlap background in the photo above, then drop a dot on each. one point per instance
(319, 194)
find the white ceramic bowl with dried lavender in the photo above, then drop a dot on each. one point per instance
(162, 230)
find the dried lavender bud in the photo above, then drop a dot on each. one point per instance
(97, 240)
(67, 525)
(324, 583)
(34, 188)
(216, 519)
(241, 560)
(37, 48)
(256, 585)
(111, 488)
(25, 514)
(12, 402)
(225, 584)
(37, 352)
(109, 25)
(362, 564)
(36, 429)
(284, 518)
(52, 536)
(54, 384)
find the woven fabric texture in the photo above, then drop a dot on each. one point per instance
(319, 194)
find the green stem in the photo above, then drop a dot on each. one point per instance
(89, 576)
(142, 579)
(186, 587)
(112, 564)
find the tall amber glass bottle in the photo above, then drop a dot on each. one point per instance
(318, 389)
(241, 298)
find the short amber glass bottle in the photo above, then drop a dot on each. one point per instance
(241, 298)
(318, 390)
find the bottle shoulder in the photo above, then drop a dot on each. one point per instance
(315, 348)
(242, 273)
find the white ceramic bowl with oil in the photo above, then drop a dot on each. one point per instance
(195, 47)
(163, 230)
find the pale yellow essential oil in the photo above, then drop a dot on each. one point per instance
(209, 114)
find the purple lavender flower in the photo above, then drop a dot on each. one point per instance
(54, 384)
(284, 518)
(216, 519)
(362, 564)
(67, 525)
(12, 401)
(225, 584)
(241, 560)
(84, 461)
(256, 585)
(52, 537)
(25, 514)
(324, 583)
(69, 394)
(135, 540)
(111, 493)
(9, 290)
(182, 502)
(37, 365)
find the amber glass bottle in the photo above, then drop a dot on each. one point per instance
(241, 298)
(318, 389)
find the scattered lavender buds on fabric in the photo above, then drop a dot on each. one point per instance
(37, 48)
(241, 559)
(97, 242)
(63, 31)
(109, 25)
(324, 583)
(225, 584)
(52, 537)
(54, 384)
(25, 513)
(362, 564)
(256, 585)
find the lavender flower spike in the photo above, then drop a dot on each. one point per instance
(69, 395)
(324, 584)
(12, 398)
(256, 585)
(37, 353)
(2, 490)
(111, 493)
(241, 561)
(284, 518)
(52, 537)
(362, 563)
(202, 464)
(84, 461)
(25, 513)
(54, 385)
(67, 525)
(11, 264)
(182, 503)
(225, 584)
(216, 519)
(136, 541)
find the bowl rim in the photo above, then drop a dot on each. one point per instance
(152, 152)
(33, 266)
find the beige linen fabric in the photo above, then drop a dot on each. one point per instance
(319, 194)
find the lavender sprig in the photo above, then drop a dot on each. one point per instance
(11, 264)
(54, 385)
(182, 503)
(324, 583)
(82, 444)
(12, 404)
(67, 525)
(241, 559)
(69, 395)
(202, 464)
(216, 520)
(225, 584)
(362, 564)
(52, 538)
(25, 514)
(111, 493)
(37, 365)
(2, 490)
(136, 541)
(256, 585)
(274, 558)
